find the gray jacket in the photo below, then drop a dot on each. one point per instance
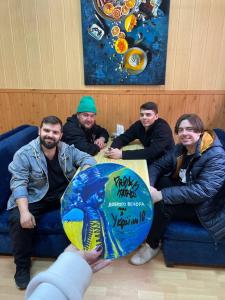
(30, 173)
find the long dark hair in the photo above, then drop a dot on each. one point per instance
(195, 121)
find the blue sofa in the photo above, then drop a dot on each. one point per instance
(11, 132)
(50, 239)
(187, 243)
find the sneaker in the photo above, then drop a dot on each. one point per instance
(143, 255)
(22, 278)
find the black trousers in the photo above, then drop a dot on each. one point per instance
(164, 213)
(22, 238)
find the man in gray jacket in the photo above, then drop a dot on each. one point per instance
(41, 172)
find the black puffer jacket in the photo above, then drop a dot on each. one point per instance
(157, 140)
(205, 177)
(82, 138)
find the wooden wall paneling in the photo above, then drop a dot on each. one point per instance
(220, 112)
(174, 20)
(184, 41)
(45, 43)
(199, 38)
(213, 44)
(41, 46)
(208, 114)
(7, 47)
(32, 42)
(114, 107)
(5, 120)
(33, 108)
(59, 43)
(18, 109)
(40, 106)
(104, 110)
(166, 111)
(212, 110)
(122, 108)
(116, 114)
(20, 46)
(51, 104)
(57, 106)
(2, 76)
(220, 76)
(67, 103)
(79, 44)
(66, 106)
(73, 43)
(170, 108)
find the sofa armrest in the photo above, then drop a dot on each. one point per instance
(8, 146)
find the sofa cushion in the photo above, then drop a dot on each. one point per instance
(178, 252)
(221, 135)
(4, 226)
(49, 223)
(187, 243)
(8, 147)
(49, 240)
(186, 231)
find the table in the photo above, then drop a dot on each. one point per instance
(139, 166)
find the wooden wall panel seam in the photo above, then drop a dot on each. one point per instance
(114, 107)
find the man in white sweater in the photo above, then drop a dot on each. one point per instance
(68, 277)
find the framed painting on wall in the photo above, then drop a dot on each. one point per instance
(124, 41)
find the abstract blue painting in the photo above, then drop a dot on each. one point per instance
(107, 205)
(124, 41)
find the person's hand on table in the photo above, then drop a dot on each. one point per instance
(100, 142)
(156, 195)
(114, 153)
(91, 257)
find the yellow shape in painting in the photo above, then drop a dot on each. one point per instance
(93, 235)
(130, 22)
(73, 231)
(108, 8)
(121, 46)
(130, 3)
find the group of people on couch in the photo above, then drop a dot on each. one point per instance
(187, 179)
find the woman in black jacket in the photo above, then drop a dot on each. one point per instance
(189, 185)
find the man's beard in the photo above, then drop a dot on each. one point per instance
(48, 145)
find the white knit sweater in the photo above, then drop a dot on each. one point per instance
(66, 279)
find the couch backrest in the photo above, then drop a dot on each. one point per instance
(13, 131)
(221, 135)
(8, 146)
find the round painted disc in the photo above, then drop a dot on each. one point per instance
(108, 205)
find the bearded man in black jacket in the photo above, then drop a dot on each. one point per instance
(153, 132)
(81, 129)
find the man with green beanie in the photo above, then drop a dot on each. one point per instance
(81, 130)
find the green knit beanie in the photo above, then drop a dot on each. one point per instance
(87, 104)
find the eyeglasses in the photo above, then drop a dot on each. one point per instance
(188, 129)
